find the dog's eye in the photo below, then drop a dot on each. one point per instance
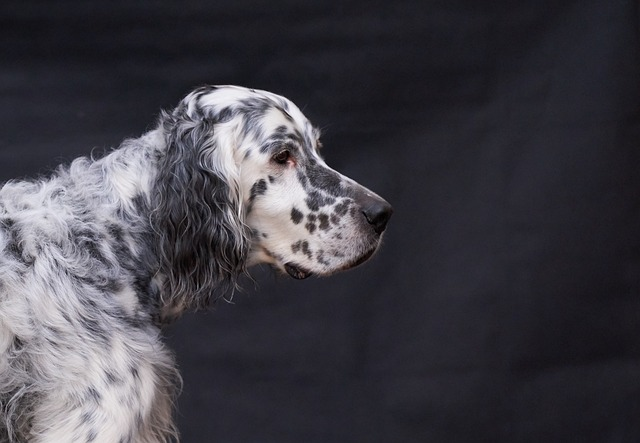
(282, 157)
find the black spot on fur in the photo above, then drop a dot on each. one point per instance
(269, 147)
(327, 180)
(305, 249)
(14, 250)
(315, 200)
(302, 246)
(224, 115)
(341, 208)
(296, 216)
(7, 222)
(324, 222)
(272, 179)
(311, 227)
(252, 110)
(258, 188)
(321, 259)
(302, 178)
(17, 344)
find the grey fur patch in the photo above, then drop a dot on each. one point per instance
(315, 200)
(258, 188)
(323, 220)
(296, 216)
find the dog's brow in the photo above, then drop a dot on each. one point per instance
(276, 143)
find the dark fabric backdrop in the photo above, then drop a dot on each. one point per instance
(505, 303)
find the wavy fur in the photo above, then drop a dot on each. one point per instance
(199, 214)
(95, 258)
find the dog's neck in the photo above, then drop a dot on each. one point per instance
(130, 170)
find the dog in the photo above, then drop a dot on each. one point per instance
(98, 256)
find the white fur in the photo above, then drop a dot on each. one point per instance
(97, 257)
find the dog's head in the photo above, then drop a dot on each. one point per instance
(264, 194)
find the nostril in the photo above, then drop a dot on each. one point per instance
(378, 215)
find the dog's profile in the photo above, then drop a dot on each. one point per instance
(97, 257)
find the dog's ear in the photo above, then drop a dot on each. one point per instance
(203, 240)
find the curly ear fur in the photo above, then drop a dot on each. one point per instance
(204, 241)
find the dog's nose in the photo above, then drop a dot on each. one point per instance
(377, 212)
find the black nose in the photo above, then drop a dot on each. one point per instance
(377, 212)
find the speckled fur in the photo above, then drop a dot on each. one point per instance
(95, 258)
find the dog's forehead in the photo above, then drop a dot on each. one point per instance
(220, 97)
(275, 112)
(279, 121)
(223, 97)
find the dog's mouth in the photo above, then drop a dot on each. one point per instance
(300, 273)
(296, 271)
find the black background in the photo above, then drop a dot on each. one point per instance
(504, 305)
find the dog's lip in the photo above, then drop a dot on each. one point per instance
(300, 273)
(363, 258)
(296, 271)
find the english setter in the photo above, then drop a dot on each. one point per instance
(97, 257)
